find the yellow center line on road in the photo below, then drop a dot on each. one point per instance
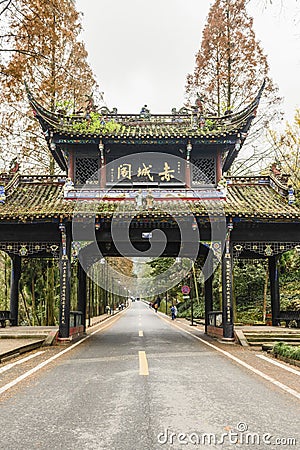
(143, 363)
(141, 334)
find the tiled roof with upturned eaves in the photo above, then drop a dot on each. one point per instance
(178, 125)
(42, 199)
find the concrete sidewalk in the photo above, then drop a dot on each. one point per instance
(14, 347)
(17, 340)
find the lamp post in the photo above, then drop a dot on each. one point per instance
(128, 297)
(192, 302)
(112, 296)
(119, 290)
(166, 303)
(192, 311)
(89, 305)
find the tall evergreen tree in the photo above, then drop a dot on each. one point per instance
(230, 65)
(41, 45)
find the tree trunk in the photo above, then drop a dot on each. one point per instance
(34, 312)
(53, 81)
(50, 296)
(218, 84)
(228, 58)
(6, 282)
(25, 304)
(234, 307)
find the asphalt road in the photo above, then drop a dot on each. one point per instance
(143, 384)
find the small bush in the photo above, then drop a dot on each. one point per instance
(184, 309)
(288, 351)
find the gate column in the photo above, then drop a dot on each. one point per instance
(81, 297)
(65, 281)
(208, 288)
(227, 282)
(274, 288)
(14, 288)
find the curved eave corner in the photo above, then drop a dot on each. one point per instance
(39, 113)
(252, 108)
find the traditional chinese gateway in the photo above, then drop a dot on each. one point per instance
(148, 169)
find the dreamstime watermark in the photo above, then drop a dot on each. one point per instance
(238, 436)
(144, 204)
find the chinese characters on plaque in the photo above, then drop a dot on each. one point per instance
(145, 172)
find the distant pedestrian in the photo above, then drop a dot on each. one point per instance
(108, 310)
(173, 312)
(155, 307)
(158, 301)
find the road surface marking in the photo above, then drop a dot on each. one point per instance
(276, 363)
(53, 358)
(143, 363)
(141, 334)
(9, 366)
(240, 362)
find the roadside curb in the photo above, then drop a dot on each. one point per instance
(20, 350)
(42, 340)
(292, 362)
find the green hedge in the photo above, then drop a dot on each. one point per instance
(185, 311)
(288, 351)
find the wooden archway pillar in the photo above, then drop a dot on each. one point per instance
(208, 289)
(82, 292)
(274, 288)
(14, 288)
(65, 281)
(227, 287)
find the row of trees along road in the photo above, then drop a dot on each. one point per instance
(40, 44)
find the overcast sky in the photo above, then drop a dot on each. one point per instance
(141, 51)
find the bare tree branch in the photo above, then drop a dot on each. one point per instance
(6, 6)
(23, 52)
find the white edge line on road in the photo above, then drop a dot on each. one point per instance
(241, 363)
(276, 363)
(20, 361)
(53, 358)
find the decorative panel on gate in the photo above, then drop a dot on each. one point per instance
(203, 171)
(87, 170)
